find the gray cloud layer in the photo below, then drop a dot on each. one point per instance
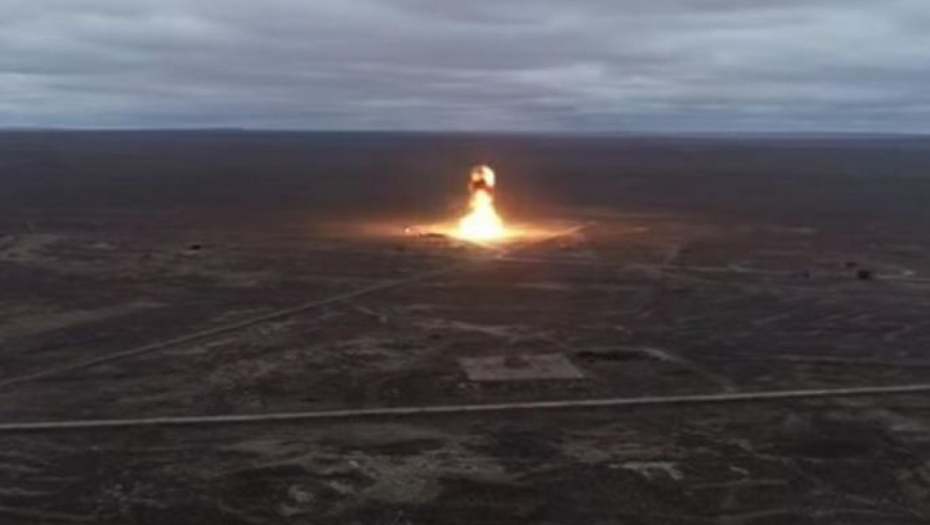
(547, 65)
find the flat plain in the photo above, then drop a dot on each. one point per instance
(154, 287)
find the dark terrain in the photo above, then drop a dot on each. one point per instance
(164, 274)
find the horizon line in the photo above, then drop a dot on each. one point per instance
(551, 133)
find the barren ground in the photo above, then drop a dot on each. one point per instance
(108, 315)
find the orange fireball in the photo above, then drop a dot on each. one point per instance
(482, 223)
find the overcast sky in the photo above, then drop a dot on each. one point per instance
(503, 65)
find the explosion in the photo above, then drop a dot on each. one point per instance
(482, 223)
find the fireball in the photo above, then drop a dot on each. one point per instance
(482, 223)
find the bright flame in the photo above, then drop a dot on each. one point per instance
(482, 222)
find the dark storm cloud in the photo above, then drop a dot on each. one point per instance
(548, 65)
